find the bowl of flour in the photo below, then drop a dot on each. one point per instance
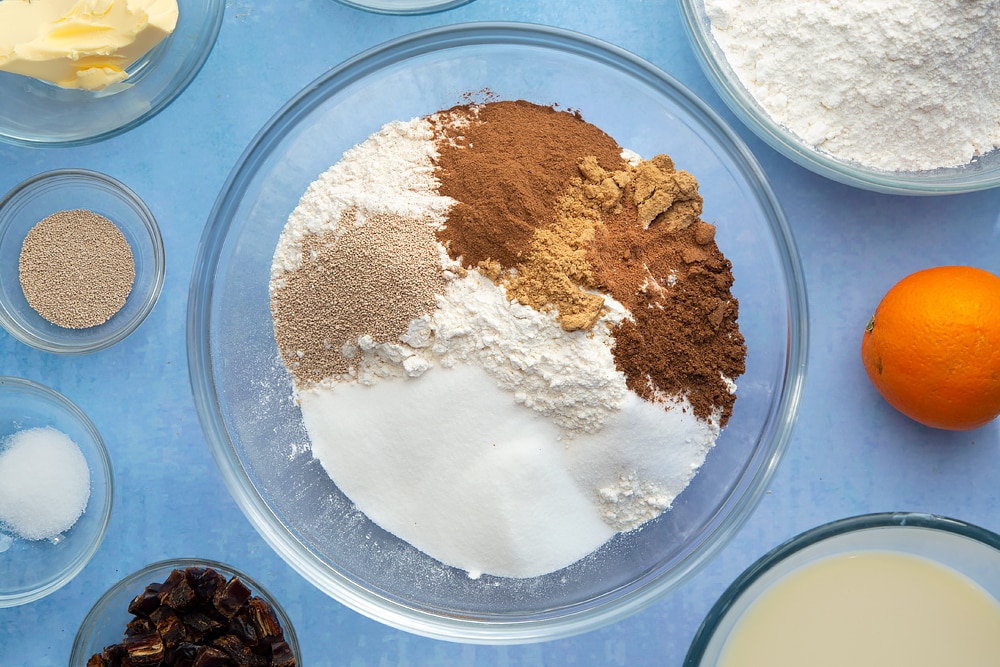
(898, 97)
(494, 357)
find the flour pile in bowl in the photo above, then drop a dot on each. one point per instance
(895, 85)
(510, 338)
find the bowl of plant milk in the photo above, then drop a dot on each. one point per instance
(880, 589)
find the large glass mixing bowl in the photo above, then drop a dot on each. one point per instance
(244, 394)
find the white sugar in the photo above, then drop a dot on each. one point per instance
(491, 491)
(44, 483)
(493, 487)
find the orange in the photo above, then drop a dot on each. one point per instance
(932, 348)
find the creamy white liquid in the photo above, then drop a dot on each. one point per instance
(869, 609)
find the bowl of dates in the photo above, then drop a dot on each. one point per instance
(182, 613)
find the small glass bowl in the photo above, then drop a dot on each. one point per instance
(105, 623)
(33, 569)
(404, 6)
(53, 191)
(980, 174)
(38, 113)
(968, 550)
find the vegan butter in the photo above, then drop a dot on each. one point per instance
(81, 43)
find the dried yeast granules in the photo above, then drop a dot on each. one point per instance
(76, 268)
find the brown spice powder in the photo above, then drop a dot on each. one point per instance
(664, 194)
(683, 336)
(507, 163)
(371, 280)
(556, 271)
(76, 268)
(549, 209)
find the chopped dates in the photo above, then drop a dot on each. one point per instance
(196, 618)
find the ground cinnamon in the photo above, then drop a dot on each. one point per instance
(524, 156)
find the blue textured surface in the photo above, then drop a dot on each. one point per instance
(850, 454)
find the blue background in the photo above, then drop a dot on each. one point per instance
(850, 452)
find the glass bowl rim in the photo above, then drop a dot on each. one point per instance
(748, 110)
(115, 188)
(821, 533)
(142, 575)
(344, 589)
(192, 68)
(428, 7)
(104, 460)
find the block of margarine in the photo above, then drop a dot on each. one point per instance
(81, 43)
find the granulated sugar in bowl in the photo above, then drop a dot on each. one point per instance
(461, 422)
(56, 490)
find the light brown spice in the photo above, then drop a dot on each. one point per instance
(664, 194)
(556, 273)
(371, 279)
(76, 268)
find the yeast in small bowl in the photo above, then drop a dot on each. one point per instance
(79, 190)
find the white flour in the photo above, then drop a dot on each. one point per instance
(569, 377)
(487, 436)
(893, 84)
(390, 171)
